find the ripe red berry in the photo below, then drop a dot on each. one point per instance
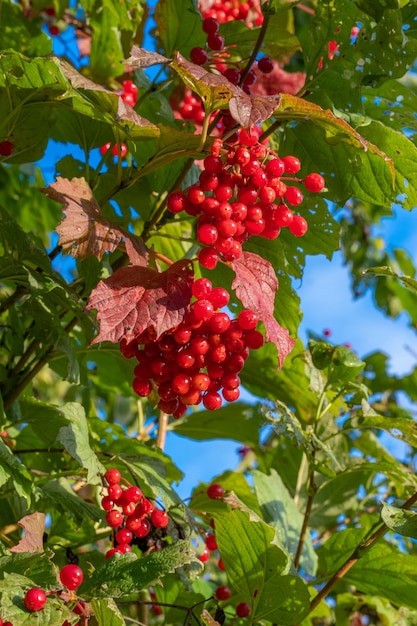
(298, 226)
(204, 556)
(35, 599)
(211, 542)
(215, 491)
(210, 25)
(159, 518)
(112, 476)
(208, 258)
(199, 56)
(265, 65)
(215, 42)
(6, 148)
(114, 518)
(292, 164)
(71, 576)
(314, 183)
(124, 536)
(293, 196)
(243, 609)
(53, 30)
(177, 201)
(223, 593)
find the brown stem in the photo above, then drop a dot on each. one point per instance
(365, 544)
(162, 430)
(307, 514)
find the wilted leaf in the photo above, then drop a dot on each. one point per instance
(256, 285)
(34, 527)
(135, 298)
(84, 231)
(250, 110)
(144, 58)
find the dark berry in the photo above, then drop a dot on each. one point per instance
(215, 491)
(199, 56)
(243, 609)
(265, 65)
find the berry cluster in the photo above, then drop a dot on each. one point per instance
(248, 191)
(198, 359)
(230, 10)
(133, 517)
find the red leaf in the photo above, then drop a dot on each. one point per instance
(135, 298)
(34, 527)
(84, 231)
(256, 285)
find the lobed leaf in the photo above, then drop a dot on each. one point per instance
(136, 298)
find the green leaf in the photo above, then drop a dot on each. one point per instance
(407, 281)
(279, 511)
(107, 613)
(12, 592)
(179, 26)
(39, 564)
(237, 421)
(382, 571)
(129, 574)
(16, 27)
(11, 468)
(256, 569)
(58, 493)
(400, 521)
(75, 439)
(403, 428)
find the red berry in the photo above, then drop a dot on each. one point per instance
(247, 319)
(298, 226)
(71, 576)
(204, 556)
(159, 518)
(6, 148)
(199, 56)
(53, 30)
(231, 395)
(119, 150)
(107, 503)
(210, 25)
(292, 164)
(211, 542)
(114, 518)
(215, 42)
(243, 609)
(112, 552)
(133, 494)
(223, 593)
(233, 76)
(265, 65)
(143, 528)
(124, 536)
(177, 201)
(35, 599)
(293, 196)
(215, 491)
(208, 258)
(113, 476)
(314, 183)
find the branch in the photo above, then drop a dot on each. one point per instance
(162, 430)
(365, 544)
(312, 492)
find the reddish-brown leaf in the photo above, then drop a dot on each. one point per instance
(256, 285)
(84, 231)
(144, 58)
(250, 110)
(135, 298)
(34, 527)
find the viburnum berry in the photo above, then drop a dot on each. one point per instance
(112, 476)
(265, 65)
(223, 593)
(53, 30)
(298, 226)
(314, 183)
(210, 25)
(159, 518)
(35, 599)
(204, 556)
(293, 196)
(292, 164)
(199, 56)
(211, 542)
(71, 576)
(215, 41)
(6, 148)
(215, 491)
(124, 535)
(243, 609)
(114, 518)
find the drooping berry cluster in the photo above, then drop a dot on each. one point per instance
(133, 517)
(199, 360)
(246, 191)
(230, 10)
